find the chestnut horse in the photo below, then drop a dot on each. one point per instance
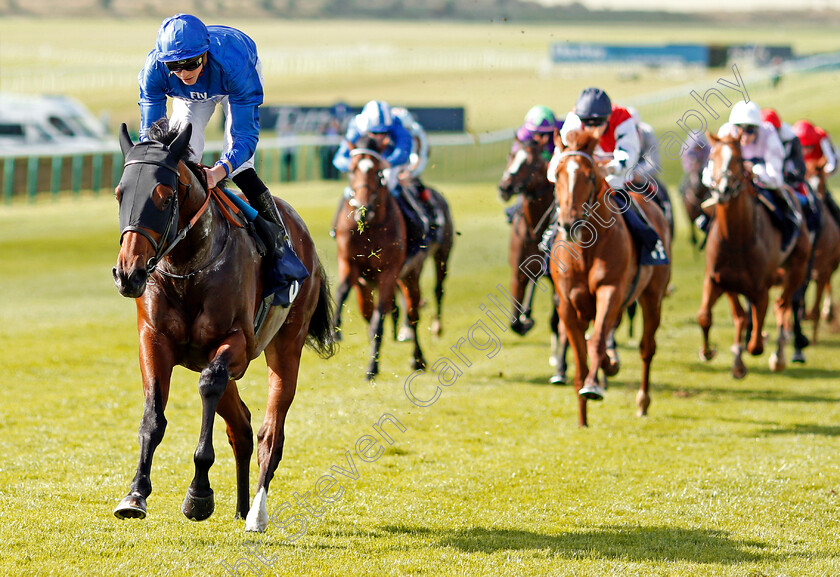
(604, 275)
(526, 175)
(196, 278)
(372, 246)
(744, 257)
(826, 252)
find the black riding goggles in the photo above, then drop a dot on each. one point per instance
(748, 128)
(188, 65)
(590, 122)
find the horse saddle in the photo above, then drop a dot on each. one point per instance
(282, 277)
(651, 249)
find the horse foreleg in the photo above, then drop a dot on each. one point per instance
(377, 322)
(711, 293)
(156, 362)
(739, 369)
(348, 278)
(522, 290)
(606, 313)
(759, 311)
(283, 358)
(227, 359)
(576, 334)
(411, 290)
(241, 438)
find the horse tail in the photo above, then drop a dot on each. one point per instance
(321, 329)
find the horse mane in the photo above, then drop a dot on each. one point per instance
(161, 131)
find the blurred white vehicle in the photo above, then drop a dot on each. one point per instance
(48, 124)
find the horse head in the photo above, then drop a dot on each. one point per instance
(525, 167)
(577, 179)
(367, 181)
(148, 205)
(729, 177)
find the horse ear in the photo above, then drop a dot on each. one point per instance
(179, 145)
(125, 140)
(712, 138)
(558, 140)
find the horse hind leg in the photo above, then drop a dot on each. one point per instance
(283, 359)
(241, 437)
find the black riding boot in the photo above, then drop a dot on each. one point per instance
(268, 224)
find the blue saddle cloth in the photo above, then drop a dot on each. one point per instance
(651, 249)
(810, 211)
(282, 278)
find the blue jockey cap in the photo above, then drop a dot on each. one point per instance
(593, 103)
(375, 117)
(181, 37)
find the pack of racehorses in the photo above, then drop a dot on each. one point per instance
(191, 263)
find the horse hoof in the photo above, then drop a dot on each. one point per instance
(198, 508)
(776, 363)
(522, 326)
(643, 403)
(611, 369)
(419, 364)
(592, 392)
(557, 379)
(133, 506)
(798, 357)
(405, 335)
(336, 336)
(739, 372)
(437, 328)
(707, 355)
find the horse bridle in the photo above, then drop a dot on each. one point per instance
(594, 189)
(353, 191)
(164, 248)
(728, 193)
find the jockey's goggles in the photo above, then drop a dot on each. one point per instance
(188, 65)
(593, 121)
(748, 128)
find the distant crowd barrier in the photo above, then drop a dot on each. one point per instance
(28, 174)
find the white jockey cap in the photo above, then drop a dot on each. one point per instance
(745, 113)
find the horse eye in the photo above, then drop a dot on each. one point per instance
(166, 202)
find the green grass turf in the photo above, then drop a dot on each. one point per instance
(724, 478)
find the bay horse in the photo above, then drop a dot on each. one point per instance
(744, 257)
(196, 278)
(694, 193)
(526, 176)
(603, 276)
(438, 252)
(372, 248)
(826, 252)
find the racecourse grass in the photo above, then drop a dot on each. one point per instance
(723, 478)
